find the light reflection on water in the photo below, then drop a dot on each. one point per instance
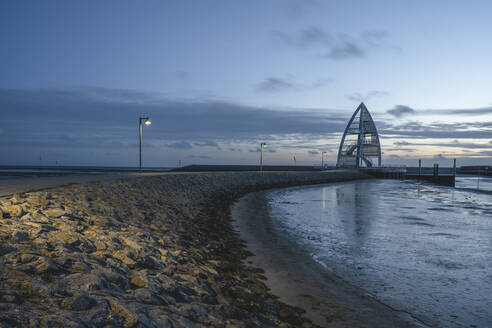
(417, 247)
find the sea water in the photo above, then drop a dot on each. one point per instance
(419, 248)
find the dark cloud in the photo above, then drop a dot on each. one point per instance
(346, 50)
(179, 145)
(313, 36)
(471, 111)
(454, 144)
(401, 143)
(439, 130)
(400, 110)
(274, 84)
(237, 150)
(300, 8)
(440, 157)
(84, 124)
(313, 152)
(65, 138)
(199, 156)
(342, 47)
(410, 150)
(182, 76)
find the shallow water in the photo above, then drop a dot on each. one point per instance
(419, 248)
(474, 182)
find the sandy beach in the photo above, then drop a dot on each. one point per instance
(155, 251)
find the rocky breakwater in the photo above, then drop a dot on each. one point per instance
(142, 252)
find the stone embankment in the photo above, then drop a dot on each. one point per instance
(142, 252)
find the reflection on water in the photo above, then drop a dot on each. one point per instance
(420, 248)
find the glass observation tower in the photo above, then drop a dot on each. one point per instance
(360, 146)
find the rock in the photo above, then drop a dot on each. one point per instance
(131, 243)
(80, 302)
(13, 210)
(140, 281)
(19, 236)
(161, 318)
(11, 298)
(6, 249)
(45, 265)
(85, 282)
(126, 257)
(130, 317)
(144, 252)
(54, 212)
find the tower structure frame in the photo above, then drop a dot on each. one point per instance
(362, 150)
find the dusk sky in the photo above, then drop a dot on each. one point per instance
(219, 77)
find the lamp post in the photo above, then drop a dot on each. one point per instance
(263, 144)
(147, 121)
(322, 159)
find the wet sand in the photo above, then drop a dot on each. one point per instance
(298, 280)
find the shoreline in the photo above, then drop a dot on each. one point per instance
(300, 281)
(151, 251)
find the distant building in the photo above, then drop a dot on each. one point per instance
(360, 145)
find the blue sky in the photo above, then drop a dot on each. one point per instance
(218, 77)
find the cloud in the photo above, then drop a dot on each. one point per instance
(300, 8)
(182, 76)
(342, 47)
(440, 157)
(237, 150)
(180, 145)
(313, 152)
(274, 84)
(100, 121)
(470, 111)
(85, 114)
(313, 36)
(65, 138)
(356, 96)
(346, 50)
(453, 144)
(400, 111)
(438, 130)
(410, 150)
(401, 143)
(207, 143)
(265, 150)
(199, 156)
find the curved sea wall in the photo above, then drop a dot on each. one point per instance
(142, 252)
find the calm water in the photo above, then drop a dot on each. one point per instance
(417, 247)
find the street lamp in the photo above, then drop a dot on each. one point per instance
(322, 159)
(147, 121)
(263, 144)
